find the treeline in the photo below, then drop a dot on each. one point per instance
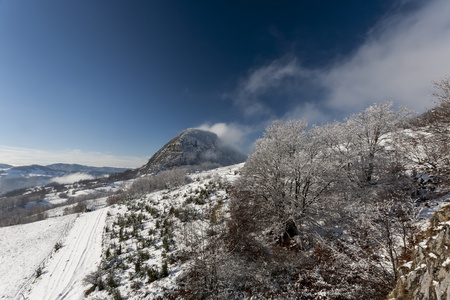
(26, 205)
(329, 211)
(146, 184)
(14, 210)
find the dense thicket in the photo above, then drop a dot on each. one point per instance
(332, 195)
(328, 212)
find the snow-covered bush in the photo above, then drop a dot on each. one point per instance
(163, 180)
(38, 272)
(336, 196)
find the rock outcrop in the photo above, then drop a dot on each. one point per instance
(192, 147)
(427, 276)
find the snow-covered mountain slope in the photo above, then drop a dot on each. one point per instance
(141, 248)
(153, 240)
(85, 240)
(192, 147)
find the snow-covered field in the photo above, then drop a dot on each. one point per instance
(62, 276)
(23, 248)
(93, 204)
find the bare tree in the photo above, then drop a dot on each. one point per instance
(289, 172)
(372, 138)
(428, 142)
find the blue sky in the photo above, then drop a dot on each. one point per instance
(108, 83)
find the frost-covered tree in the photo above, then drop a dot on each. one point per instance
(372, 139)
(342, 191)
(442, 95)
(428, 142)
(287, 174)
(386, 227)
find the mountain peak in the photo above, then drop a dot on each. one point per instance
(192, 147)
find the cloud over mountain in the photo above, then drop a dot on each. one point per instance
(397, 60)
(192, 147)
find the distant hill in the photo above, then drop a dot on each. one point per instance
(94, 171)
(12, 178)
(192, 147)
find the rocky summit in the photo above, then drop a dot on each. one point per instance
(192, 147)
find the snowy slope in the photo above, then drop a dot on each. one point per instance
(168, 225)
(63, 275)
(23, 248)
(171, 229)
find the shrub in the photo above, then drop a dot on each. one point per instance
(94, 278)
(135, 285)
(80, 207)
(38, 272)
(199, 201)
(111, 282)
(57, 246)
(137, 266)
(152, 274)
(118, 196)
(116, 294)
(164, 269)
(144, 256)
(166, 245)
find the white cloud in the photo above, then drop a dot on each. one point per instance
(310, 112)
(71, 178)
(270, 76)
(402, 54)
(24, 156)
(398, 61)
(231, 134)
(281, 76)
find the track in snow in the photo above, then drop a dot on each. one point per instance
(63, 275)
(23, 248)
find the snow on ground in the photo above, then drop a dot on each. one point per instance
(93, 204)
(54, 198)
(23, 248)
(62, 277)
(152, 232)
(432, 207)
